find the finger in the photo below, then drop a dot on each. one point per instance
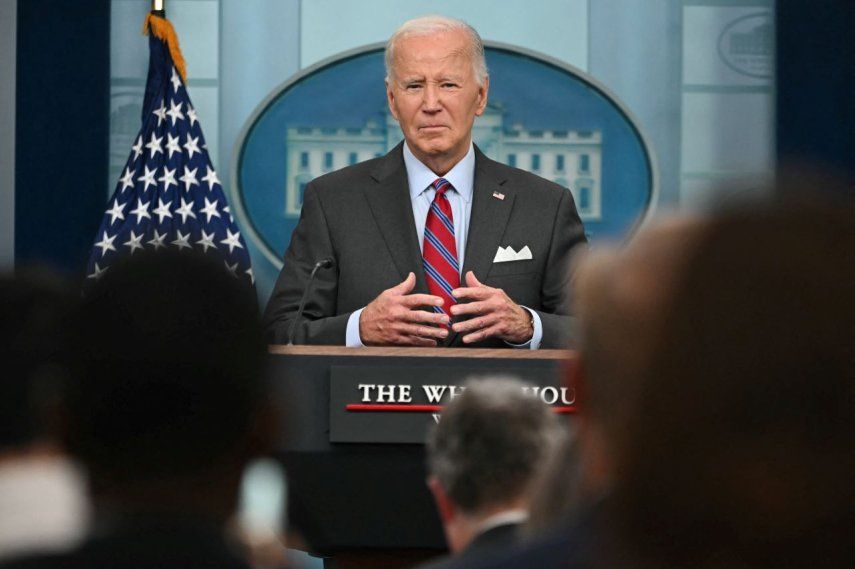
(475, 293)
(422, 331)
(417, 341)
(404, 286)
(413, 300)
(472, 308)
(474, 324)
(427, 317)
(471, 280)
(482, 334)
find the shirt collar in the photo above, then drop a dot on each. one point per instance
(503, 518)
(461, 176)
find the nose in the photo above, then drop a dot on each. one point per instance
(430, 102)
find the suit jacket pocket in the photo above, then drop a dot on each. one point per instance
(509, 268)
(523, 288)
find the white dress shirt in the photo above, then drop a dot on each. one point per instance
(462, 179)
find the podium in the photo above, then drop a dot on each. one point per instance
(365, 504)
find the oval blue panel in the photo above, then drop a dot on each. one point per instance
(543, 116)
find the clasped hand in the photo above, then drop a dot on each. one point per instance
(396, 316)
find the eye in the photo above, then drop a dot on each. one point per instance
(412, 86)
(449, 85)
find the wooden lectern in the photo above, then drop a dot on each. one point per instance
(365, 504)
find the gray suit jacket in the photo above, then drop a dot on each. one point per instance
(362, 218)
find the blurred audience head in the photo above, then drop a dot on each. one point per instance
(729, 340)
(43, 504)
(33, 305)
(620, 293)
(484, 453)
(168, 399)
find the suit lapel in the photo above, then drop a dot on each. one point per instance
(488, 219)
(390, 204)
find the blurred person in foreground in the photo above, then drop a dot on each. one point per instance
(166, 406)
(43, 503)
(725, 347)
(741, 450)
(482, 457)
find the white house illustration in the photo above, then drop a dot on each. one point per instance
(570, 158)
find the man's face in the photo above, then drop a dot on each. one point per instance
(434, 96)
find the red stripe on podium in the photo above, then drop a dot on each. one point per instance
(398, 408)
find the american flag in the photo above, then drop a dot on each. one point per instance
(169, 194)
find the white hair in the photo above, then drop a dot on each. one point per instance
(429, 25)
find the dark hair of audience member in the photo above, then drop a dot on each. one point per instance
(33, 304)
(168, 372)
(742, 449)
(491, 441)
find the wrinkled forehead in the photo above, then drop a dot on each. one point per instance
(446, 51)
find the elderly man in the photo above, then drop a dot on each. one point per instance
(413, 236)
(482, 459)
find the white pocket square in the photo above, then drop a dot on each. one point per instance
(505, 254)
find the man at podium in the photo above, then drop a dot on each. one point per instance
(433, 244)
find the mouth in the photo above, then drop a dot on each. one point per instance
(432, 127)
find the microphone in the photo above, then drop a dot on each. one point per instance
(322, 264)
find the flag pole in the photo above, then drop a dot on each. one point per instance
(158, 7)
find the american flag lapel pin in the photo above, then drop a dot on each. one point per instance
(499, 195)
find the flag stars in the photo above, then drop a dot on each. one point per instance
(160, 113)
(174, 112)
(183, 241)
(176, 80)
(106, 243)
(185, 211)
(99, 272)
(137, 147)
(251, 275)
(189, 178)
(157, 240)
(192, 146)
(172, 145)
(231, 268)
(232, 240)
(211, 179)
(127, 178)
(168, 178)
(116, 212)
(134, 242)
(207, 241)
(141, 210)
(148, 178)
(162, 210)
(155, 145)
(210, 210)
(191, 115)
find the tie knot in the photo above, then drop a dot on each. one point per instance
(441, 185)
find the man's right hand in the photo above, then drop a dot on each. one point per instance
(394, 318)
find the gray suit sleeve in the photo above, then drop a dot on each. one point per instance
(320, 323)
(568, 238)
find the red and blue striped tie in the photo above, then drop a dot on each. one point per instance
(440, 249)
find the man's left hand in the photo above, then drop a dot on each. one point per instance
(493, 313)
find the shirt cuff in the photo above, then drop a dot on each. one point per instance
(536, 337)
(351, 338)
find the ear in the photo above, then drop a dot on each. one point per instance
(390, 98)
(444, 505)
(482, 97)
